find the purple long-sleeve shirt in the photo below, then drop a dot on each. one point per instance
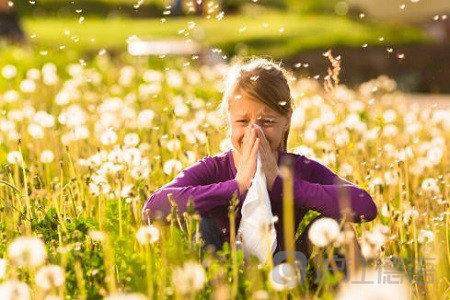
(211, 184)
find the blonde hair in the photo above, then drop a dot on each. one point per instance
(262, 79)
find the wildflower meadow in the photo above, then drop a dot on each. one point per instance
(85, 142)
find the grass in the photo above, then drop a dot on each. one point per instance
(276, 34)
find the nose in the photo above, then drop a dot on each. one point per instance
(256, 126)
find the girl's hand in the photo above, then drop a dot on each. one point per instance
(269, 159)
(247, 159)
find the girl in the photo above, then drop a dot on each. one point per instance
(257, 93)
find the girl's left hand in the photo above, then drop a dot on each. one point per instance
(269, 160)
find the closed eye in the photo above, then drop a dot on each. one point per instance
(267, 122)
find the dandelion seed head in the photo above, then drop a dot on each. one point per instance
(425, 236)
(324, 232)
(47, 156)
(27, 252)
(49, 277)
(147, 235)
(190, 277)
(15, 290)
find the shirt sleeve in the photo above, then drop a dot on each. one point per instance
(326, 193)
(194, 181)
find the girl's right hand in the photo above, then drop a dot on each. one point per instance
(247, 159)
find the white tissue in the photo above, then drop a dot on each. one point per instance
(257, 214)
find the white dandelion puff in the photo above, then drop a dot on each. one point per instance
(171, 166)
(284, 276)
(191, 277)
(14, 157)
(27, 252)
(425, 236)
(49, 277)
(9, 71)
(324, 232)
(131, 139)
(147, 235)
(2, 268)
(108, 137)
(430, 184)
(47, 156)
(14, 290)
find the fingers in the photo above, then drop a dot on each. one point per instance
(249, 139)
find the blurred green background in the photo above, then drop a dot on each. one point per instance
(374, 37)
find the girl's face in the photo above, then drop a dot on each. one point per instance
(245, 111)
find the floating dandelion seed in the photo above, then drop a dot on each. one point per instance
(402, 6)
(381, 38)
(10, 3)
(305, 65)
(191, 24)
(281, 30)
(401, 56)
(364, 45)
(138, 4)
(220, 15)
(282, 103)
(163, 20)
(62, 47)
(33, 35)
(32, 2)
(242, 29)
(414, 1)
(80, 20)
(298, 65)
(390, 50)
(362, 15)
(78, 11)
(444, 17)
(316, 77)
(43, 53)
(436, 17)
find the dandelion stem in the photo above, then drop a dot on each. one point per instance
(288, 211)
